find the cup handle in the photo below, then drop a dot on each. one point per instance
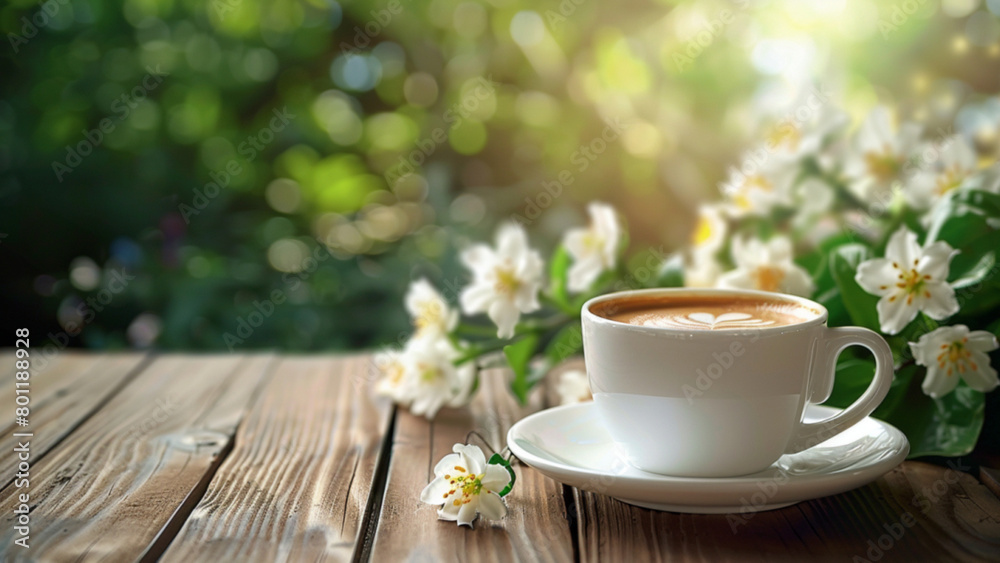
(833, 342)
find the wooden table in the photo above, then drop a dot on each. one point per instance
(287, 458)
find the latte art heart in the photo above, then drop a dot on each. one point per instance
(700, 320)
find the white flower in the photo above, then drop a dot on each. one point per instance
(595, 248)
(766, 266)
(423, 375)
(710, 231)
(573, 387)
(763, 186)
(952, 352)
(877, 161)
(702, 271)
(805, 127)
(815, 197)
(989, 179)
(956, 161)
(465, 486)
(391, 367)
(909, 279)
(428, 309)
(505, 281)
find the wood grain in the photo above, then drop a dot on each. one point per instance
(296, 485)
(109, 489)
(955, 518)
(536, 527)
(72, 387)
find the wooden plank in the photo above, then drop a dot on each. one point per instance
(109, 489)
(955, 518)
(297, 482)
(71, 388)
(536, 527)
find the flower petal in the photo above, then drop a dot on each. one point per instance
(984, 377)
(512, 241)
(492, 507)
(575, 242)
(474, 457)
(496, 478)
(505, 315)
(583, 272)
(467, 512)
(903, 248)
(895, 314)
(736, 279)
(478, 258)
(447, 464)
(981, 341)
(476, 298)
(942, 302)
(937, 384)
(936, 260)
(435, 491)
(448, 512)
(797, 282)
(877, 276)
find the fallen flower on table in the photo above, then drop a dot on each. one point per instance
(573, 387)
(465, 485)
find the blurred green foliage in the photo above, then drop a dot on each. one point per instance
(244, 160)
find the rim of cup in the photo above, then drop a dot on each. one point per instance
(819, 319)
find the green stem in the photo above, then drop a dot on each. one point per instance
(475, 351)
(476, 330)
(557, 304)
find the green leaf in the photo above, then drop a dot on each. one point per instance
(566, 343)
(518, 357)
(853, 376)
(558, 275)
(860, 304)
(982, 201)
(949, 426)
(980, 271)
(834, 305)
(851, 379)
(671, 272)
(960, 218)
(497, 459)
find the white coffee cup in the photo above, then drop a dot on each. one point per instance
(720, 403)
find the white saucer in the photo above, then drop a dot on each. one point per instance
(570, 445)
